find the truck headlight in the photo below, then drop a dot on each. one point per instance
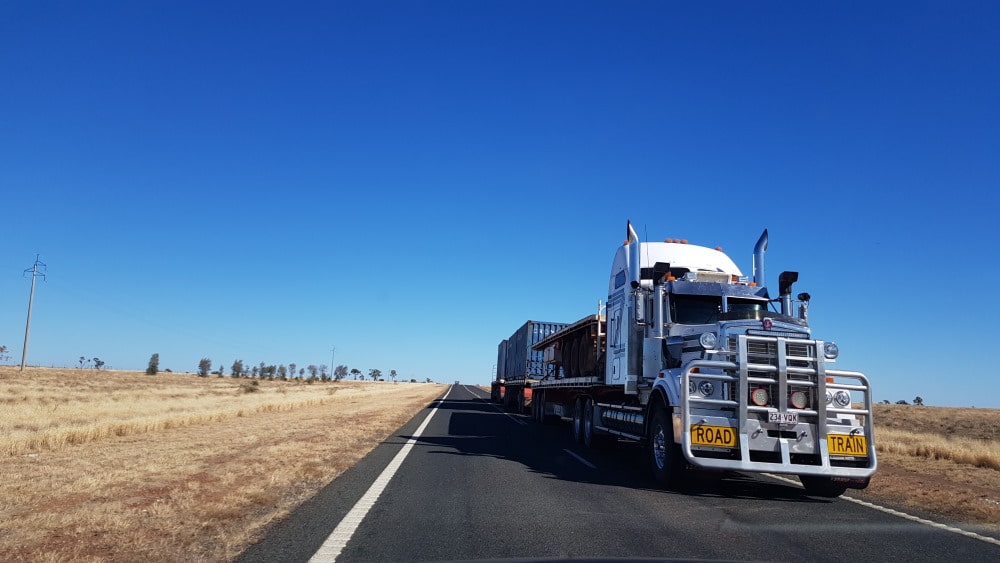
(708, 340)
(831, 350)
(706, 388)
(842, 399)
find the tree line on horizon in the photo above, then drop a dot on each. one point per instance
(281, 372)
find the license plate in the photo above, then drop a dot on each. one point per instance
(718, 436)
(847, 444)
(783, 417)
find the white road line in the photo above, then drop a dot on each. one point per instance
(904, 515)
(581, 460)
(338, 539)
(508, 415)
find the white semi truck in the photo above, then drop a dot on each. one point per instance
(698, 363)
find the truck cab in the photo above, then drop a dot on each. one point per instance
(745, 387)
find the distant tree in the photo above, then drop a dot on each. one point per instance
(412, 380)
(918, 401)
(221, 370)
(886, 402)
(4, 355)
(392, 375)
(204, 366)
(302, 371)
(253, 372)
(428, 380)
(322, 370)
(154, 365)
(83, 360)
(282, 372)
(375, 374)
(355, 372)
(291, 369)
(313, 370)
(902, 402)
(98, 363)
(339, 372)
(237, 368)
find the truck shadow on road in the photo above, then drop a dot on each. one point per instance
(479, 428)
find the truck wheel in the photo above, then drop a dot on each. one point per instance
(520, 401)
(822, 486)
(538, 401)
(665, 459)
(590, 437)
(578, 421)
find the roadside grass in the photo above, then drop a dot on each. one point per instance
(198, 472)
(49, 409)
(942, 461)
(963, 451)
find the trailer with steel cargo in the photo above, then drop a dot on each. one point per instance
(518, 364)
(699, 364)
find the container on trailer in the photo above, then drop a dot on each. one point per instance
(519, 361)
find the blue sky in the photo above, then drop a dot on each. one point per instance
(410, 181)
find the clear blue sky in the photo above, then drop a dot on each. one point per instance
(411, 181)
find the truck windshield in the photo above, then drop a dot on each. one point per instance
(745, 309)
(695, 309)
(707, 309)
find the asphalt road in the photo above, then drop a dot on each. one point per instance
(482, 484)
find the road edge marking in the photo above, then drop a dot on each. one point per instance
(903, 515)
(580, 459)
(337, 540)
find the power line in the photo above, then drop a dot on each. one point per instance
(31, 297)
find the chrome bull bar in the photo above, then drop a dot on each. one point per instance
(735, 411)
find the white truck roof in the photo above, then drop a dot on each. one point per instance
(679, 255)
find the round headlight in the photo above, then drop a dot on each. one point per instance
(708, 340)
(759, 396)
(706, 388)
(799, 399)
(691, 387)
(831, 350)
(829, 397)
(842, 399)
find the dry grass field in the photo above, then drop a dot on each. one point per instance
(122, 466)
(940, 461)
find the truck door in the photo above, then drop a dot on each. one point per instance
(617, 341)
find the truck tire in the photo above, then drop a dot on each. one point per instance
(520, 401)
(538, 402)
(590, 438)
(822, 486)
(666, 462)
(578, 421)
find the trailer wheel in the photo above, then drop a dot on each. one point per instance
(539, 402)
(665, 459)
(520, 401)
(590, 439)
(578, 421)
(822, 486)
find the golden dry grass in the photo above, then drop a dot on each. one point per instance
(197, 471)
(942, 461)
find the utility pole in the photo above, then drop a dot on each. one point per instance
(31, 297)
(333, 354)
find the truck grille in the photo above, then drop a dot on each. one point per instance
(764, 351)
